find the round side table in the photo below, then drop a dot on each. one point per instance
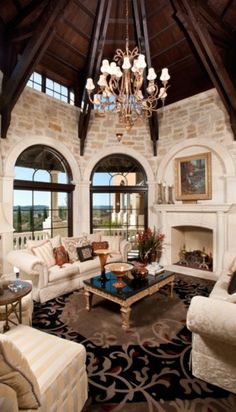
(11, 299)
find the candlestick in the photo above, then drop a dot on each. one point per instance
(170, 194)
(159, 195)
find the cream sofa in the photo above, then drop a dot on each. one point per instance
(41, 372)
(212, 321)
(50, 280)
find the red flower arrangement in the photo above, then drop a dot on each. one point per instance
(150, 244)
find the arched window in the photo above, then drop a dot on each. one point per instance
(118, 196)
(42, 195)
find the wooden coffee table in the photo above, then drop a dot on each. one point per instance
(134, 290)
(12, 301)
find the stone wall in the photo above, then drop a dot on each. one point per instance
(191, 126)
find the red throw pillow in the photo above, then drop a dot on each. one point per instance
(99, 245)
(60, 255)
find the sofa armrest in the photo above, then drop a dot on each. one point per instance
(125, 246)
(212, 318)
(8, 398)
(30, 265)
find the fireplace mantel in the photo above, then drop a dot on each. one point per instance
(196, 208)
(220, 218)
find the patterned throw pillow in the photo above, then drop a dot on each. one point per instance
(99, 245)
(85, 253)
(61, 255)
(71, 244)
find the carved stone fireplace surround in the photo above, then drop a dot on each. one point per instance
(218, 218)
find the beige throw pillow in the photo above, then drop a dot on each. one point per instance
(45, 252)
(113, 242)
(16, 373)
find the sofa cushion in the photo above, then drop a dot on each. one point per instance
(94, 237)
(71, 244)
(113, 242)
(85, 253)
(232, 284)
(99, 245)
(66, 271)
(16, 373)
(60, 255)
(45, 252)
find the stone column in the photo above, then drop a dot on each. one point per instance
(220, 243)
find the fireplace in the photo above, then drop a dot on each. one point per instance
(195, 247)
(196, 226)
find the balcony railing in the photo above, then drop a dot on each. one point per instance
(20, 239)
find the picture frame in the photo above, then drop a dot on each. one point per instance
(193, 177)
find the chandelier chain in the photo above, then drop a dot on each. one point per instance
(127, 25)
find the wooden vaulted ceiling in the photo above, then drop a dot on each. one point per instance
(66, 40)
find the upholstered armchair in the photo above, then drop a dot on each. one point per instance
(213, 325)
(41, 372)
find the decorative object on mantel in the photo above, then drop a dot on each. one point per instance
(193, 177)
(150, 245)
(162, 196)
(120, 85)
(170, 194)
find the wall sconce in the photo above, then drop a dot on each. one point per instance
(119, 136)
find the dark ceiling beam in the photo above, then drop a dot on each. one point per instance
(226, 8)
(191, 16)
(17, 5)
(140, 21)
(23, 14)
(15, 81)
(21, 33)
(93, 64)
(84, 8)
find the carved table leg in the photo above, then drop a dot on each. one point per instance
(125, 314)
(89, 297)
(172, 288)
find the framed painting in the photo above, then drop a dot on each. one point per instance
(193, 177)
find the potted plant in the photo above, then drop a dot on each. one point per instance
(150, 245)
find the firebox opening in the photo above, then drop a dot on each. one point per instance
(192, 246)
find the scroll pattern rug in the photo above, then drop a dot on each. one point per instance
(143, 369)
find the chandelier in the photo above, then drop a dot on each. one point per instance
(120, 85)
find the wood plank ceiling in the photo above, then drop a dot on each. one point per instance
(66, 39)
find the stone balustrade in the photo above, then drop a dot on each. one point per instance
(20, 239)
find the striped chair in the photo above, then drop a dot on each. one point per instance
(56, 374)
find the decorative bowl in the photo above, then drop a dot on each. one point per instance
(119, 269)
(139, 272)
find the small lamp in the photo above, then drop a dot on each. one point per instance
(119, 136)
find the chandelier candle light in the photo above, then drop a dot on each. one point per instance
(120, 85)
